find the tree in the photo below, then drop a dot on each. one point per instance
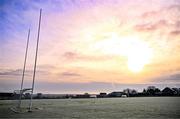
(167, 91)
(130, 92)
(152, 90)
(144, 91)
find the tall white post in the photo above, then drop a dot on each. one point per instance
(34, 73)
(24, 68)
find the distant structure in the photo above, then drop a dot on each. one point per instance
(26, 90)
(102, 95)
(115, 94)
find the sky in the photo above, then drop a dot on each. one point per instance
(91, 45)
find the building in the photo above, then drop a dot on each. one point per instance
(102, 95)
(115, 94)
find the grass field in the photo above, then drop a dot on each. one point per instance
(106, 108)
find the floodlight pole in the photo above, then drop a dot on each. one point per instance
(24, 68)
(34, 73)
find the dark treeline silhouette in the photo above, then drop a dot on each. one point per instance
(150, 91)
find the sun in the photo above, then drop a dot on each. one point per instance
(136, 63)
(137, 52)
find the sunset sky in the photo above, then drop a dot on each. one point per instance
(91, 45)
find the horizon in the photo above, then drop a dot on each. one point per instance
(92, 45)
(161, 87)
(91, 88)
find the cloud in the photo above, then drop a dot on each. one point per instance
(167, 77)
(177, 24)
(174, 7)
(14, 73)
(175, 32)
(164, 18)
(17, 72)
(70, 56)
(146, 27)
(153, 26)
(162, 11)
(150, 14)
(175, 76)
(70, 74)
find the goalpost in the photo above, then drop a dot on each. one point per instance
(31, 90)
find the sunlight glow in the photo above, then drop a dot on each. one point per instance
(137, 51)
